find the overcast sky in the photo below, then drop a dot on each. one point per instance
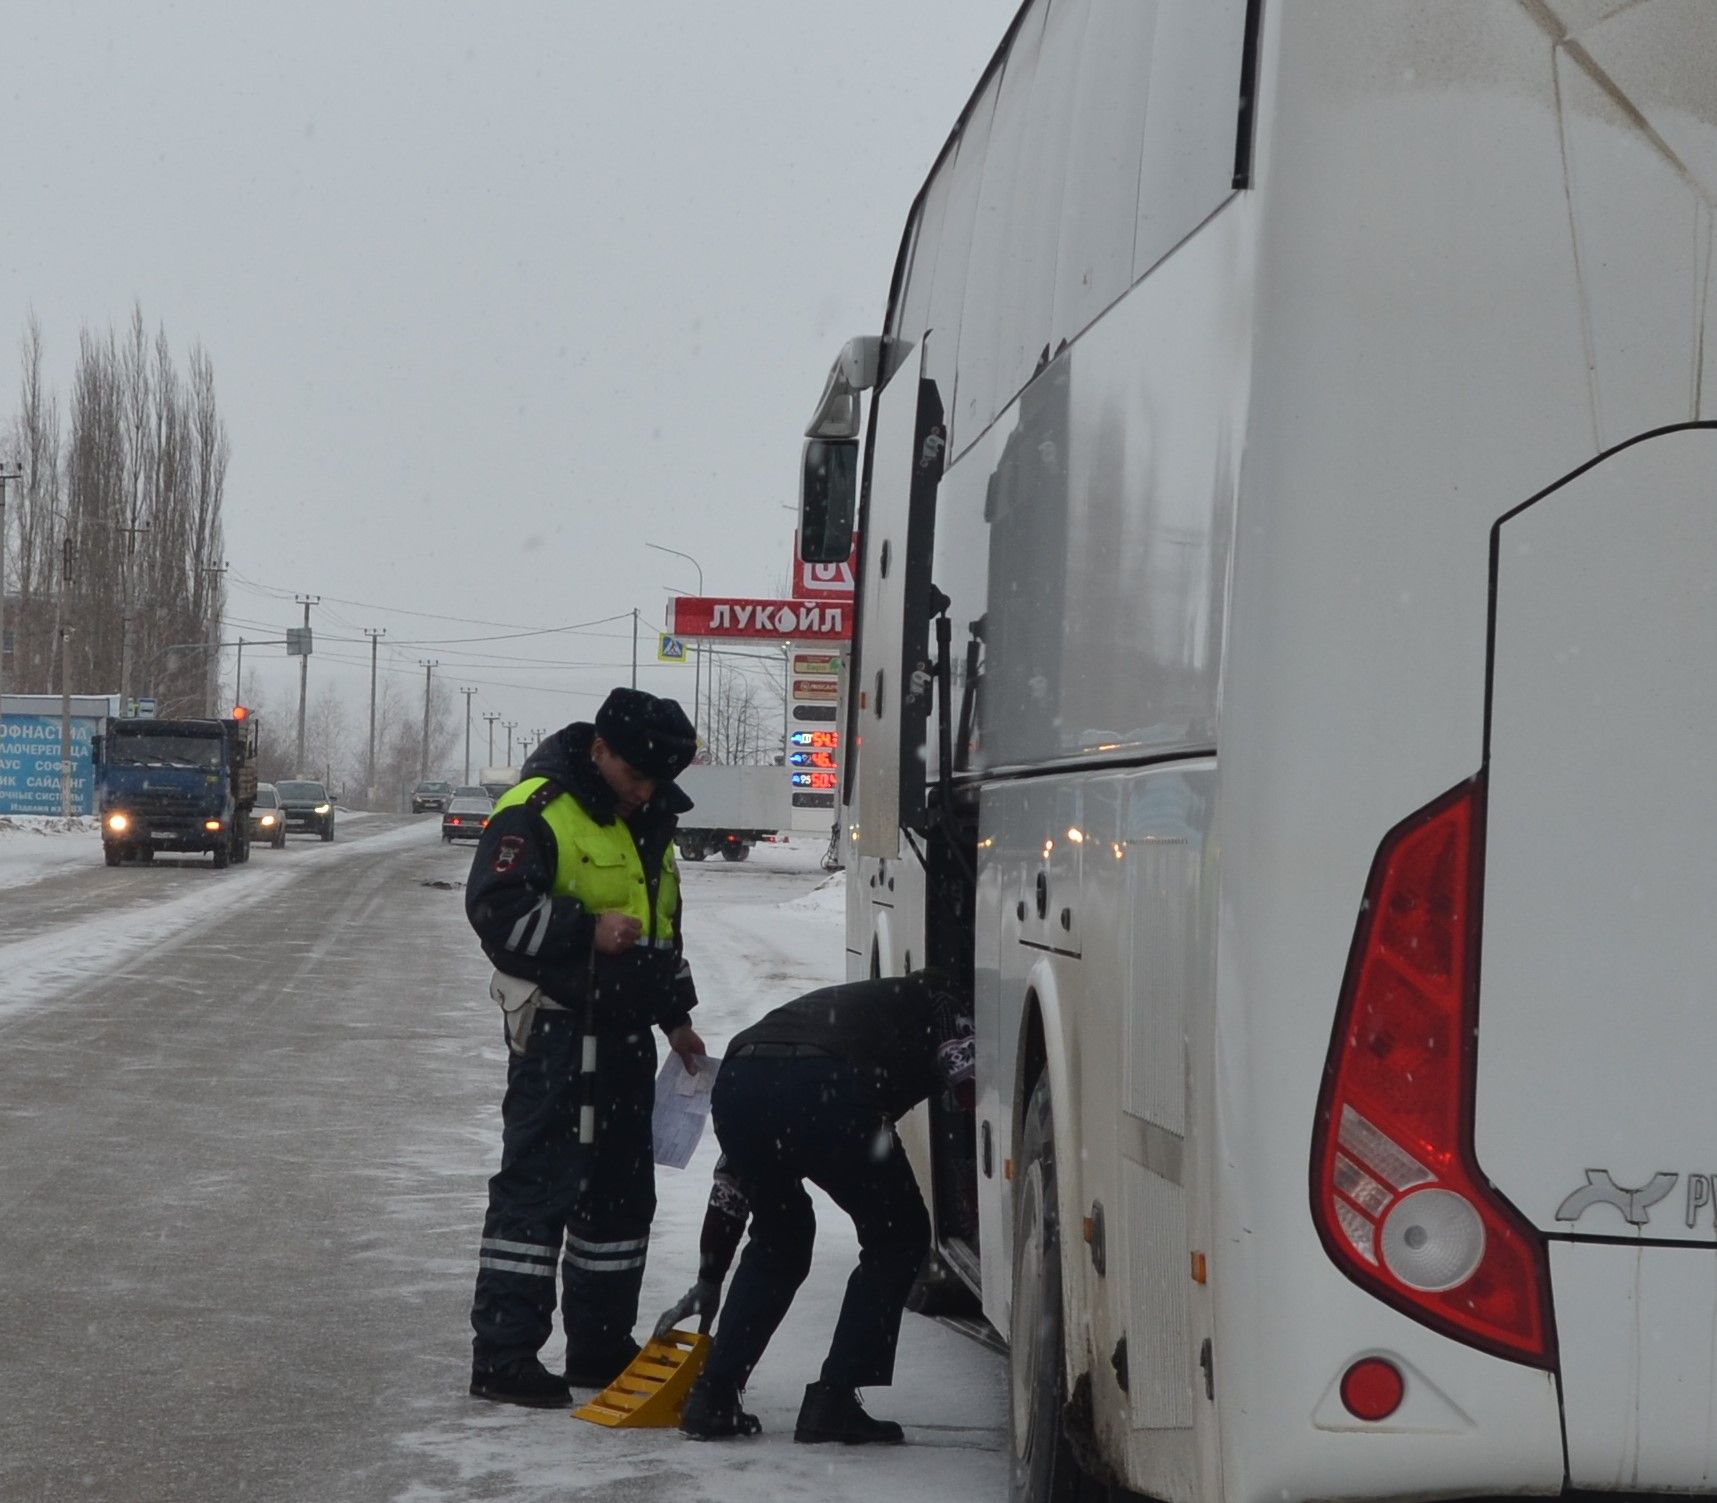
(495, 292)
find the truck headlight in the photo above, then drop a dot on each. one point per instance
(211, 824)
(118, 823)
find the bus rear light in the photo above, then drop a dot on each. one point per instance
(1397, 1195)
(1372, 1389)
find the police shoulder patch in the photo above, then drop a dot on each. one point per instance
(507, 853)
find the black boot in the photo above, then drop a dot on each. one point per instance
(830, 1413)
(525, 1382)
(712, 1412)
(598, 1370)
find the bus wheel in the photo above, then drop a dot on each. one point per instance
(113, 854)
(1043, 1468)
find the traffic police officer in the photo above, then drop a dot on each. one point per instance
(813, 1092)
(574, 893)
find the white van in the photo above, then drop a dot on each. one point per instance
(1284, 685)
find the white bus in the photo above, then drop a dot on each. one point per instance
(1288, 509)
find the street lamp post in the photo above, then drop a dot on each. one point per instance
(697, 661)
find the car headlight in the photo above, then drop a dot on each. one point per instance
(267, 820)
(118, 823)
(324, 808)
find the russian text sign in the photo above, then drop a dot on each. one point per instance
(760, 620)
(30, 765)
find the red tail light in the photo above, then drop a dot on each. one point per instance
(453, 821)
(1397, 1195)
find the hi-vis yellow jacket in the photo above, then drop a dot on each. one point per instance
(554, 856)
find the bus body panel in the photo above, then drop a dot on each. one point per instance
(1427, 357)
(1469, 260)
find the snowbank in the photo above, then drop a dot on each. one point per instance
(33, 846)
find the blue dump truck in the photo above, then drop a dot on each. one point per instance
(176, 785)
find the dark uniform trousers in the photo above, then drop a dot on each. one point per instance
(557, 1200)
(780, 1122)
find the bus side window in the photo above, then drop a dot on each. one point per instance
(1187, 166)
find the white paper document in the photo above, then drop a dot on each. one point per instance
(682, 1108)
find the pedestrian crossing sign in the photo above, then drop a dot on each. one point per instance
(670, 649)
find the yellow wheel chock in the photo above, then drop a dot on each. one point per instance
(652, 1390)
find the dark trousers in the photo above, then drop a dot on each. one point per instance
(557, 1200)
(781, 1122)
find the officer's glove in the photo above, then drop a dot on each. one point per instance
(702, 1300)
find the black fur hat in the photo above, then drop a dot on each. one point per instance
(652, 734)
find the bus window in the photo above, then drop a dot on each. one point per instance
(977, 396)
(1100, 206)
(1034, 213)
(949, 290)
(1187, 167)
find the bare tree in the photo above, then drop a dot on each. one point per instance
(121, 518)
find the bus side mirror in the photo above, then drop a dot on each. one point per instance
(828, 496)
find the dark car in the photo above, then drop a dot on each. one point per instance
(427, 796)
(266, 820)
(307, 807)
(465, 818)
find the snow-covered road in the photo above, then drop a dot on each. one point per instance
(245, 1124)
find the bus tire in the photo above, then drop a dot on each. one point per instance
(223, 855)
(112, 854)
(1043, 1468)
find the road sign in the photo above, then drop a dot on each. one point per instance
(298, 641)
(669, 649)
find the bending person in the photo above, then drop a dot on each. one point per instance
(812, 1092)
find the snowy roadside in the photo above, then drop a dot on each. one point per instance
(33, 846)
(757, 934)
(68, 954)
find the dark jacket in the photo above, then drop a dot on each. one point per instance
(513, 872)
(889, 1030)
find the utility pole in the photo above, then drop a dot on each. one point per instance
(212, 669)
(429, 665)
(238, 675)
(509, 725)
(10, 469)
(467, 693)
(375, 634)
(65, 720)
(490, 717)
(634, 647)
(304, 677)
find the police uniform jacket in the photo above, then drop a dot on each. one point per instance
(889, 1030)
(545, 868)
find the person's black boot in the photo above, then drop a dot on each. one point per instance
(527, 1382)
(712, 1412)
(598, 1370)
(830, 1413)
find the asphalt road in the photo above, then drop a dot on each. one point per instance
(245, 1119)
